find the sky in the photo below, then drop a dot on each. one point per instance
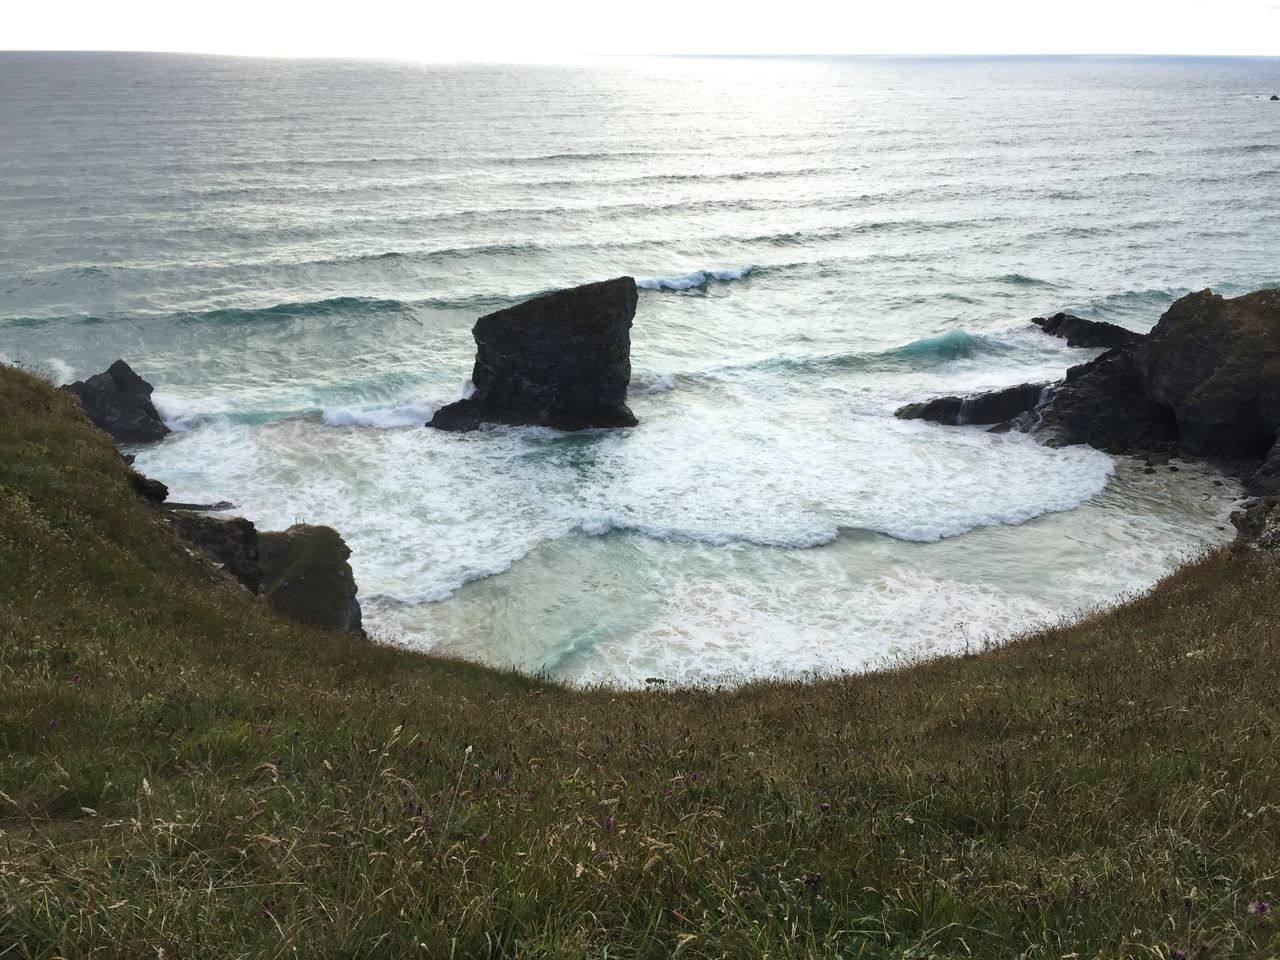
(553, 30)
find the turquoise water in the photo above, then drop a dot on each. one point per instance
(294, 252)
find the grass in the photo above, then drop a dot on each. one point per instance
(184, 775)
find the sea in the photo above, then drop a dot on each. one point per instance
(294, 252)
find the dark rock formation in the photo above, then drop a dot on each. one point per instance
(306, 577)
(1216, 364)
(153, 490)
(1275, 96)
(1205, 382)
(231, 542)
(1103, 403)
(302, 572)
(1079, 332)
(1258, 524)
(1265, 482)
(561, 361)
(996, 406)
(119, 402)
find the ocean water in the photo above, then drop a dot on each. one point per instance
(294, 253)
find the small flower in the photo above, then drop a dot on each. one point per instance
(484, 840)
(1259, 907)
(607, 824)
(77, 679)
(812, 880)
(1176, 954)
(53, 724)
(268, 906)
(824, 807)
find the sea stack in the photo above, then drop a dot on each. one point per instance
(119, 402)
(562, 360)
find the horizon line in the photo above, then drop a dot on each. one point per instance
(643, 56)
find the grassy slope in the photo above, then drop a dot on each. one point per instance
(183, 773)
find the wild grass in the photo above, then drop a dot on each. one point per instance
(184, 775)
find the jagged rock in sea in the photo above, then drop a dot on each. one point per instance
(995, 406)
(1215, 363)
(231, 542)
(1205, 382)
(1275, 96)
(119, 402)
(1103, 403)
(562, 360)
(1079, 332)
(307, 578)
(1258, 524)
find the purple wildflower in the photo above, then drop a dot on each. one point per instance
(1259, 907)
(53, 724)
(1177, 954)
(484, 840)
(824, 806)
(77, 679)
(607, 824)
(268, 906)
(812, 880)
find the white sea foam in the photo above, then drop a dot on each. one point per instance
(650, 383)
(62, 371)
(181, 413)
(405, 415)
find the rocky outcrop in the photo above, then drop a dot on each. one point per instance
(1258, 524)
(230, 542)
(119, 402)
(1104, 404)
(152, 490)
(996, 406)
(1205, 383)
(302, 572)
(1275, 96)
(561, 360)
(307, 578)
(1079, 332)
(1215, 363)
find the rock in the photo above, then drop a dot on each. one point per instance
(153, 490)
(201, 507)
(561, 360)
(1079, 332)
(231, 542)
(1257, 524)
(1275, 97)
(995, 406)
(119, 402)
(306, 577)
(1215, 364)
(1103, 403)
(1265, 482)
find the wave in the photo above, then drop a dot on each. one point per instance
(405, 415)
(650, 384)
(330, 307)
(926, 352)
(696, 280)
(1022, 280)
(818, 535)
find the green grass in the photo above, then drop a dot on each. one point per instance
(184, 775)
